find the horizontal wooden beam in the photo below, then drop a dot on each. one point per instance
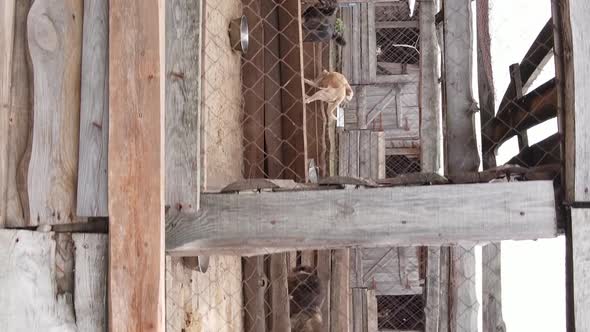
(242, 224)
(397, 25)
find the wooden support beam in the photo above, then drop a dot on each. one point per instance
(136, 165)
(461, 147)
(576, 70)
(398, 24)
(279, 293)
(433, 301)
(516, 81)
(183, 104)
(430, 91)
(581, 264)
(491, 264)
(324, 269)
(255, 283)
(340, 297)
(546, 152)
(282, 221)
(92, 194)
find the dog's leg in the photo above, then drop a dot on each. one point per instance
(325, 94)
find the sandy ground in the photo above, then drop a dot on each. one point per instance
(222, 93)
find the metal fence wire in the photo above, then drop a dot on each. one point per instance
(255, 123)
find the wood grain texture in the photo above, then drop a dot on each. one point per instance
(7, 23)
(136, 165)
(324, 268)
(340, 292)
(91, 262)
(581, 260)
(431, 131)
(30, 298)
(55, 45)
(20, 126)
(94, 112)
(183, 101)
(464, 305)
(255, 282)
(306, 219)
(491, 264)
(279, 293)
(433, 301)
(461, 144)
(576, 71)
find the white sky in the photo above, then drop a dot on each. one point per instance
(533, 272)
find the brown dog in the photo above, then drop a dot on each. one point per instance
(333, 89)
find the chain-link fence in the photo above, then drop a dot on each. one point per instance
(256, 124)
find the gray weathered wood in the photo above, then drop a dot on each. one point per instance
(432, 307)
(464, 305)
(430, 91)
(353, 153)
(372, 311)
(324, 269)
(255, 282)
(183, 81)
(64, 263)
(55, 45)
(92, 197)
(461, 145)
(492, 288)
(30, 298)
(581, 261)
(20, 114)
(443, 317)
(344, 152)
(377, 155)
(306, 219)
(574, 13)
(91, 281)
(7, 23)
(340, 291)
(359, 309)
(365, 154)
(279, 293)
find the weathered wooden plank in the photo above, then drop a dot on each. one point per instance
(324, 269)
(306, 219)
(372, 311)
(279, 293)
(272, 97)
(464, 305)
(255, 283)
(492, 288)
(581, 262)
(399, 24)
(433, 303)
(575, 73)
(294, 114)
(183, 101)
(430, 92)
(91, 261)
(136, 165)
(353, 153)
(365, 154)
(461, 144)
(340, 291)
(356, 268)
(347, 61)
(55, 45)
(377, 155)
(7, 24)
(359, 309)
(253, 92)
(372, 44)
(64, 263)
(445, 285)
(30, 298)
(20, 126)
(391, 96)
(94, 113)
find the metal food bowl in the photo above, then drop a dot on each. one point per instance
(238, 34)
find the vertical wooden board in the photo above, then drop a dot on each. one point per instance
(30, 298)
(492, 288)
(325, 274)
(94, 112)
(20, 126)
(364, 43)
(254, 289)
(358, 304)
(443, 318)
(377, 155)
(347, 50)
(279, 293)
(362, 110)
(356, 268)
(308, 258)
(55, 45)
(91, 281)
(64, 263)
(353, 156)
(365, 154)
(340, 291)
(294, 117)
(464, 309)
(431, 132)
(136, 165)
(575, 71)
(315, 121)
(253, 93)
(343, 152)
(183, 87)
(372, 47)
(7, 23)
(355, 44)
(273, 133)
(581, 260)
(372, 311)
(176, 288)
(461, 148)
(433, 303)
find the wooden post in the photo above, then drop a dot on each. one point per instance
(324, 268)
(279, 293)
(581, 264)
(340, 291)
(577, 95)
(430, 93)
(433, 302)
(136, 165)
(461, 148)
(255, 283)
(94, 112)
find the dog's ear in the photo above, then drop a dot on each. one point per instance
(324, 71)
